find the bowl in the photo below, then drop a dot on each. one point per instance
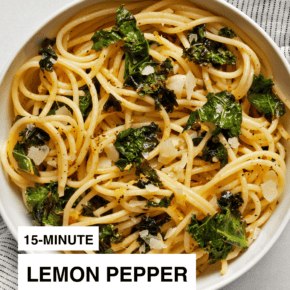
(11, 205)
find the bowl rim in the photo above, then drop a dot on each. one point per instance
(284, 222)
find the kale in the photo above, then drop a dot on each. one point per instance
(31, 136)
(262, 97)
(95, 203)
(137, 58)
(48, 55)
(112, 105)
(85, 104)
(192, 120)
(218, 234)
(108, 235)
(141, 183)
(25, 164)
(104, 38)
(233, 202)
(164, 202)
(144, 169)
(45, 204)
(131, 143)
(152, 225)
(203, 50)
(222, 110)
(226, 32)
(213, 148)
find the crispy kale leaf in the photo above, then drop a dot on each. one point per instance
(108, 235)
(222, 110)
(218, 234)
(213, 148)
(164, 202)
(226, 32)
(261, 96)
(95, 203)
(112, 105)
(137, 60)
(203, 50)
(31, 136)
(131, 143)
(45, 205)
(48, 55)
(153, 225)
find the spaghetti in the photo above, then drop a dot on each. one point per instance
(69, 155)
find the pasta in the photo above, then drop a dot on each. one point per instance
(177, 81)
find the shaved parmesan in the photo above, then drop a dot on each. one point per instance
(148, 70)
(176, 83)
(192, 37)
(52, 60)
(179, 195)
(175, 68)
(214, 159)
(145, 154)
(234, 142)
(112, 152)
(190, 84)
(167, 152)
(52, 163)
(153, 162)
(151, 188)
(143, 234)
(271, 175)
(38, 154)
(63, 111)
(269, 189)
(214, 202)
(104, 162)
(142, 249)
(156, 244)
(169, 233)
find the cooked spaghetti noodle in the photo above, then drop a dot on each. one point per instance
(80, 154)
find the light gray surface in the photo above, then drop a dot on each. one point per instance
(18, 18)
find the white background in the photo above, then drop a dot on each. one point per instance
(19, 18)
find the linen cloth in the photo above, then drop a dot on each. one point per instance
(272, 15)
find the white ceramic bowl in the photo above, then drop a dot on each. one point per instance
(11, 205)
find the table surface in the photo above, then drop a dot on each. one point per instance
(18, 19)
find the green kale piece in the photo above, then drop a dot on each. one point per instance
(95, 203)
(213, 148)
(226, 32)
(153, 225)
(45, 205)
(203, 50)
(222, 110)
(231, 201)
(104, 38)
(25, 164)
(31, 136)
(218, 234)
(164, 202)
(48, 55)
(112, 105)
(131, 143)
(137, 58)
(192, 120)
(262, 97)
(108, 235)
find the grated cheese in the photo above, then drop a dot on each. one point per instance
(148, 70)
(63, 111)
(169, 233)
(271, 175)
(176, 83)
